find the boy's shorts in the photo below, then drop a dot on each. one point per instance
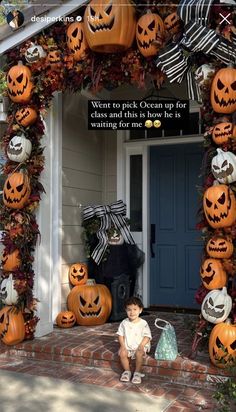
(131, 353)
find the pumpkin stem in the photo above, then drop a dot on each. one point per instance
(91, 282)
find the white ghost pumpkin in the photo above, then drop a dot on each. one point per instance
(216, 306)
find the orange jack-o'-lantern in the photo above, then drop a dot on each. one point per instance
(19, 83)
(26, 116)
(11, 261)
(12, 328)
(16, 190)
(172, 23)
(222, 132)
(66, 319)
(78, 274)
(91, 303)
(54, 60)
(223, 91)
(213, 275)
(222, 344)
(76, 40)
(109, 25)
(149, 33)
(220, 247)
(219, 206)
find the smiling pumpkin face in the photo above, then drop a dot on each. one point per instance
(223, 91)
(149, 34)
(16, 190)
(78, 274)
(19, 83)
(220, 247)
(109, 25)
(213, 275)
(76, 41)
(219, 206)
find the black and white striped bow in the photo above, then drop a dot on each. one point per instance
(194, 10)
(113, 213)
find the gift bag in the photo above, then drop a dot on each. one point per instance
(166, 348)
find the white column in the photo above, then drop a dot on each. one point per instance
(47, 265)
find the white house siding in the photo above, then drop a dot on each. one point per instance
(88, 177)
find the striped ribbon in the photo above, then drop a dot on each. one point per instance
(194, 10)
(115, 213)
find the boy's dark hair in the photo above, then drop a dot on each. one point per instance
(134, 301)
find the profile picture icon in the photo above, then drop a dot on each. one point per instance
(15, 19)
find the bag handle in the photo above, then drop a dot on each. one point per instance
(161, 320)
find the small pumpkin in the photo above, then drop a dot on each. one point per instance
(54, 60)
(34, 53)
(8, 293)
(149, 34)
(115, 238)
(216, 306)
(19, 149)
(78, 274)
(213, 274)
(76, 40)
(26, 116)
(220, 247)
(203, 73)
(11, 261)
(223, 167)
(222, 132)
(66, 319)
(172, 23)
(109, 25)
(12, 328)
(223, 91)
(16, 190)
(19, 83)
(219, 206)
(91, 303)
(222, 344)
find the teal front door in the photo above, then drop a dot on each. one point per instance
(176, 246)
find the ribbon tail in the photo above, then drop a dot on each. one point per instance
(193, 87)
(100, 249)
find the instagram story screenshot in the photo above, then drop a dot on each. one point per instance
(118, 163)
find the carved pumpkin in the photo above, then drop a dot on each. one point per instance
(66, 319)
(78, 274)
(8, 293)
(12, 328)
(76, 40)
(54, 60)
(216, 306)
(222, 344)
(222, 132)
(16, 190)
(11, 261)
(213, 275)
(203, 73)
(115, 238)
(149, 33)
(223, 167)
(219, 206)
(26, 116)
(223, 91)
(34, 53)
(19, 149)
(220, 247)
(19, 83)
(109, 25)
(91, 303)
(172, 23)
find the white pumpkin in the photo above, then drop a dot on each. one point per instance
(8, 295)
(19, 149)
(203, 72)
(34, 53)
(216, 306)
(115, 238)
(223, 167)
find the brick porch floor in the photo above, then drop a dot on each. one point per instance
(89, 355)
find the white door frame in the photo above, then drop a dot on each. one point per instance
(126, 148)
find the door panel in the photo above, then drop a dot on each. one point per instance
(175, 264)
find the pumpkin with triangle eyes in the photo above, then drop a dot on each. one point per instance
(223, 91)
(11, 261)
(220, 247)
(222, 132)
(172, 23)
(216, 306)
(66, 319)
(16, 190)
(34, 53)
(76, 40)
(26, 116)
(78, 274)
(109, 25)
(213, 274)
(149, 34)
(222, 344)
(19, 83)
(91, 303)
(12, 327)
(219, 206)
(19, 149)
